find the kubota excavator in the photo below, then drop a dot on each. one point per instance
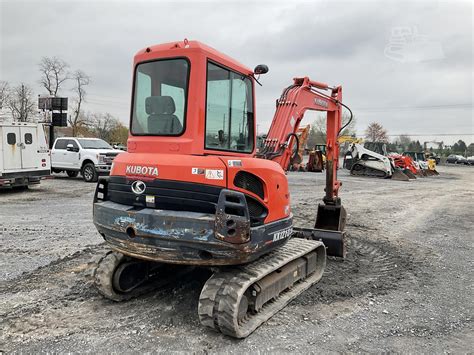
(192, 191)
(296, 161)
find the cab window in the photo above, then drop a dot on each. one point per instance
(74, 144)
(229, 110)
(11, 138)
(160, 95)
(28, 138)
(61, 144)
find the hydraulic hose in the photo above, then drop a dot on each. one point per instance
(350, 119)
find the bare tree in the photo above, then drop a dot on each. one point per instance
(376, 133)
(320, 124)
(4, 93)
(21, 103)
(104, 126)
(350, 125)
(403, 141)
(77, 119)
(119, 134)
(54, 72)
(317, 135)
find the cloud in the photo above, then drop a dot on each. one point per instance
(330, 41)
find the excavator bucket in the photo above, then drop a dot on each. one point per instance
(399, 176)
(409, 173)
(329, 229)
(430, 172)
(331, 217)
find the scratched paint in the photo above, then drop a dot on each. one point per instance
(124, 221)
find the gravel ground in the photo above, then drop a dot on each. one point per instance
(406, 285)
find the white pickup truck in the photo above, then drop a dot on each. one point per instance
(89, 156)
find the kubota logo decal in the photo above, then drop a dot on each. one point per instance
(138, 187)
(141, 170)
(321, 102)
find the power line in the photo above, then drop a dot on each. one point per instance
(431, 134)
(468, 104)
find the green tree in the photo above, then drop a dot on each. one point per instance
(470, 149)
(462, 146)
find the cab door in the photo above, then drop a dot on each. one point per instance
(29, 147)
(72, 157)
(11, 148)
(59, 154)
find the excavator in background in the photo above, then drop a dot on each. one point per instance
(296, 160)
(191, 191)
(316, 159)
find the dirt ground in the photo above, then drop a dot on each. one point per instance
(406, 285)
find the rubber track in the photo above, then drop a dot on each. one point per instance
(103, 271)
(103, 274)
(367, 171)
(221, 295)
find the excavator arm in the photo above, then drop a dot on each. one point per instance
(295, 100)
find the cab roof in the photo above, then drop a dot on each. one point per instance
(180, 47)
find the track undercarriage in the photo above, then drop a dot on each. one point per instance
(235, 300)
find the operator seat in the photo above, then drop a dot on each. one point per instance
(161, 118)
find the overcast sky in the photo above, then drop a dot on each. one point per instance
(407, 65)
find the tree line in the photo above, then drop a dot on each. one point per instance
(56, 77)
(375, 132)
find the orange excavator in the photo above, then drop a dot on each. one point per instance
(191, 191)
(296, 161)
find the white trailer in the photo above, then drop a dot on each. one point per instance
(24, 154)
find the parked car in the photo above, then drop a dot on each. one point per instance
(470, 160)
(462, 160)
(24, 154)
(456, 159)
(119, 146)
(89, 156)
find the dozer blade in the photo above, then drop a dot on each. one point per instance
(237, 300)
(399, 176)
(334, 241)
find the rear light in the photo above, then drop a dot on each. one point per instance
(43, 160)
